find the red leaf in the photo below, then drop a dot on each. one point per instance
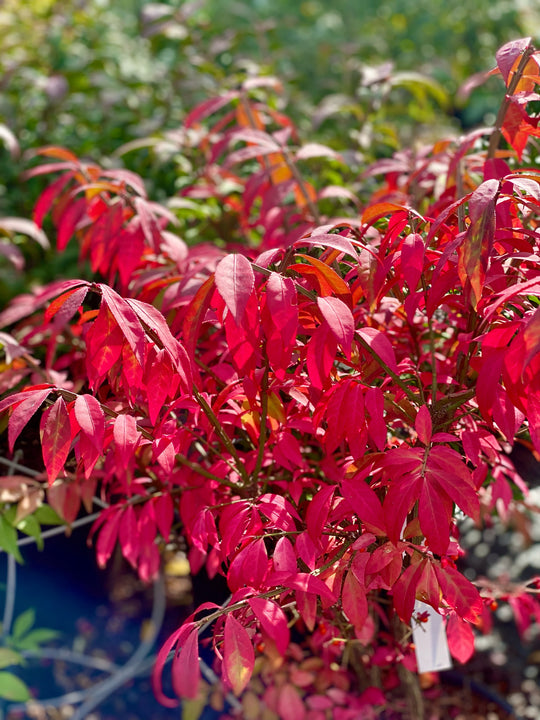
(90, 416)
(476, 248)
(55, 434)
(128, 535)
(126, 436)
(130, 249)
(307, 550)
(289, 703)
(328, 240)
(177, 637)
(65, 306)
(149, 224)
(422, 425)
(107, 535)
(209, 107)
(321, 354)
(434, 512)
(459, 593)
(104, 342)
(404, 591)
(328, 282)
(185, 668)
(233, 523)
(238, 655)
(235, 282)
(67, 224)
(340, 320)
(287, 451)
(375, 212)
(249, 567)
(380, 344)
(374, 404)
(152, 319)
(161, 382)
(447, 468)
(305, 583)
(280, 320)
(354, 600)
(126, 319)
(48, 196)
(279, 511)
(318, 510)
(306, 604)
(365, 503)
(29, 402)
(284, 556)
(281, 297)
(273, 621)
(65, 499)
(412, 259)
(164, 512)
(460, 638)
(507, 55)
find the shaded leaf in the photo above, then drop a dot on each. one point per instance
(185, 668)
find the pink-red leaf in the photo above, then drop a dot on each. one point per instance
(459, 593)
(460, 638)
(365, 503)
(179, 638)
(29, 402)
(238, 655)
(380, 344)
(340, 320)
(423, 425)
(126, 436)
(507, 55)
(404, 591)
(354, 600)
(185, 668)
(273, 621)
(126, 319)
(55, 434)
(289, 703)
(412, 259)
(318, 510)
(90, 416)
(235, 281)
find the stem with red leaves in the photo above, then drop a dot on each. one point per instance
(499, 121)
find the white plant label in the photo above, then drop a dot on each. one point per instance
(431, 645)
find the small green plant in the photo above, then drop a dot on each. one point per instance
(22, 637)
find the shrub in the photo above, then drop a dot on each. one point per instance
(312, 401)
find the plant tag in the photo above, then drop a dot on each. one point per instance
(431, 645)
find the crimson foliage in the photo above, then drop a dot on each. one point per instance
(313, 404)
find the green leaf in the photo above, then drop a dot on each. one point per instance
(9, 657)
(192, 709)
(37, 637)
(30, 526)
(45, 515)
(23, 623)
(8, 538)
(12, 688)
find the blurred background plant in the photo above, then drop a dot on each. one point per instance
(99, 75)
